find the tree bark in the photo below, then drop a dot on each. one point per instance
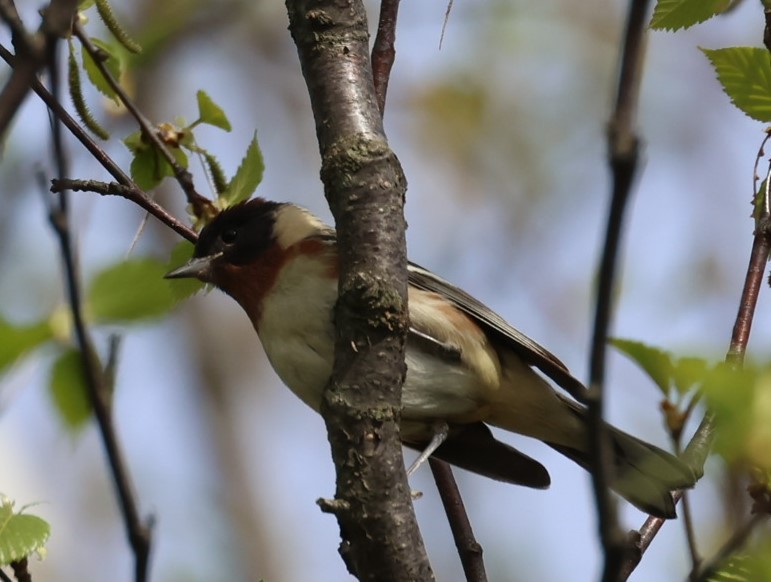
(365, 188)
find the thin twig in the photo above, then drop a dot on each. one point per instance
(181, 174)
(4, 577)
(469, 550)
(32, 51)
(125, 187)
(384, 51)
(21, 570)
(132, 194)
(138, 533)
(699, 446)
(623, 145)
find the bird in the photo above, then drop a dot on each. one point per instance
(467, 369)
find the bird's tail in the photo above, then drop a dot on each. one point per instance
(642, 473)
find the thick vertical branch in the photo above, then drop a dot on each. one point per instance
(365, 188)
(623, 145)
(469, 550)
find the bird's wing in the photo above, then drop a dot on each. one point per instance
(530, 351)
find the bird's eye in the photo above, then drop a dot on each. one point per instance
(229, 236)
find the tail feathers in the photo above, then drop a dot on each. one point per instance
(474, 448)
(644, 474)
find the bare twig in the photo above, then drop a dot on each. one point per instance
(199, 203)
(97, 383)
(384, 51)
(21, 570)
(133, 194)
(125, 187)
(699, 446)
(469, 550)
(623, 145)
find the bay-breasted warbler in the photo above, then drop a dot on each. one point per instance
(466, 367)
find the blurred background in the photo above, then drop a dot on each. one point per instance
(501, 133)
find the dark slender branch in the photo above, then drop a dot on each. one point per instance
(469, 550)
(734, 543)
(97, 385)
(4, 577)
(623, 145)
(690, 533)
(33, 51)
(198, 202)
(384, 51)
(21, 570)
(125, 187)
(133, 194)
(749, 299)
(699, 446)
(72, 125)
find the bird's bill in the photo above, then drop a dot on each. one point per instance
(195, 268)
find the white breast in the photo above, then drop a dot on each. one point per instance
(296, 330)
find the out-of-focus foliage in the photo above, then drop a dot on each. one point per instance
(20, 533)
(68, 391)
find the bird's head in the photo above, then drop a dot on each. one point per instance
(243, 249)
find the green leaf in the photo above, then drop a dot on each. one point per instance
(112, 62)
(68, 390)
(676, 14)
(732, 395)
(182, 288)
(148, 168)
(20, 534)
(745, 74)
(736, 568)
(247, 177)
(131, 290)
(655, 362)
(211, 113)
(84, 4)
(689, 372)
(16, 340)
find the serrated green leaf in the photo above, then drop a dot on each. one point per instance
(129, 291)
(688, 373)
(112, 62)
(68, 390)
(745, 74)
(211, 113)
(182, 288)
(247, 177)
(20, 534)
(677, 14)
(654, 362)
(16, 340)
